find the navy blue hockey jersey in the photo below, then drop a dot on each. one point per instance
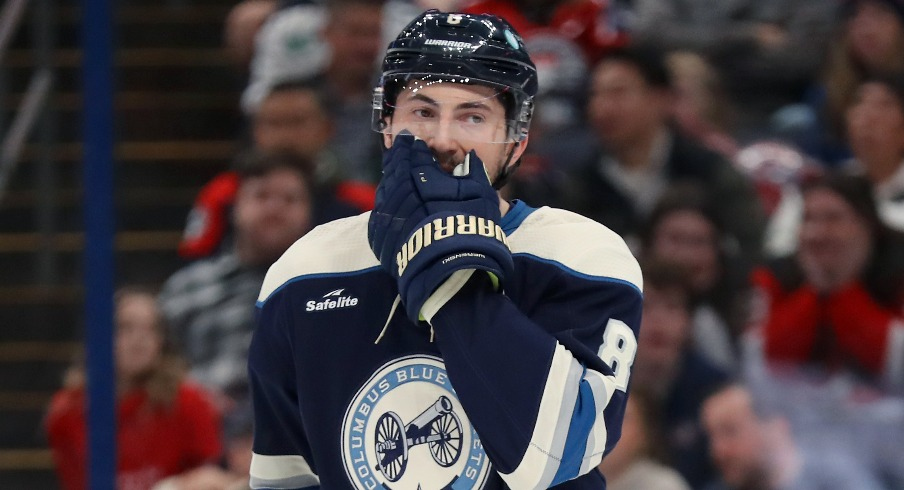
(518, 390)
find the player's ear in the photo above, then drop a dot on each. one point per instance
(519, 148)
(387, 135)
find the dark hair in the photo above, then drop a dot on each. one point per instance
(896, 6)
(666, 275)
(893, 81)
(650, 412)
(333, 6)
(856, 190)
(681, 196)
(252, 164)
(884, 275)
(727, 295)
(300, 85)
(649, 60)
(765, 405)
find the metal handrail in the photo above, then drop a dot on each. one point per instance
(9, 20)
(33, 102)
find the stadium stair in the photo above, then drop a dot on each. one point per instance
(177, 121)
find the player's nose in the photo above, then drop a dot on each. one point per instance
(444, 145)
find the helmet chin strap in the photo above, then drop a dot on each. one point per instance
(507, 169)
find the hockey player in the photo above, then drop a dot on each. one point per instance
(507, 365)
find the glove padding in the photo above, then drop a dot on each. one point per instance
(428, 224)
(442, 245)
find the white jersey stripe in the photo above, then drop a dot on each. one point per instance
(602, 388)
(344, 249)
(579, 245)
(541, 460)
(281, 472)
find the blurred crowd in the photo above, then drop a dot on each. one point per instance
(750, 152)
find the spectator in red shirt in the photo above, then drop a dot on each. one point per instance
(839, 301)
(165, 425)
(292, 118)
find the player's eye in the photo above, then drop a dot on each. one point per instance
(423, 112)
(474, 119)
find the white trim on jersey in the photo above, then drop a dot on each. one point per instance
(343, 248)
(281, 472)
(578, 244)
(602, 387)
(547, 444)
(444, 293)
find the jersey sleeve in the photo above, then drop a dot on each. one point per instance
(281, 455)
(546, 388)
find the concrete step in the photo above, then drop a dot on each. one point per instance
(163, 164)
(157, 22)
(140, 100)
(177, 123)
(26, 376)
(150, 69)
(142, 115)
(147, 209)
(141, 257)
(33, 315)
(18, 464)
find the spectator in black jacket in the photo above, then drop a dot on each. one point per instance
(640, 154)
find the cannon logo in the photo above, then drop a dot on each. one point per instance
(405, 429)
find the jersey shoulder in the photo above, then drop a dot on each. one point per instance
(579, 244)
(337, 247)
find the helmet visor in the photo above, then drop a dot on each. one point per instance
(458, 108)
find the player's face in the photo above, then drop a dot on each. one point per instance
(875, 126)
(354, 35)
(294, 121)
(875, 34)
(736, 438)
(138, 337)
(831, 230)
(663, 336)
(687, 237)
(623, 108)
(271, 212)
(454, 119)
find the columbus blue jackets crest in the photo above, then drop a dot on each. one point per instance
(405, 429)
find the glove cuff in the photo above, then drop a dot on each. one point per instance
(442, 245)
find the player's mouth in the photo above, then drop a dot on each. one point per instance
(448, 166)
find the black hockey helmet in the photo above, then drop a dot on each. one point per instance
(463, 48)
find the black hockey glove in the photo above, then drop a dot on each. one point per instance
(431, 230)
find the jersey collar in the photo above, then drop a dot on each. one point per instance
(517, 213)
